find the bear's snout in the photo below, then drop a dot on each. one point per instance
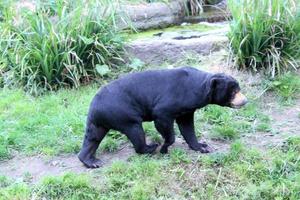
(239, 100)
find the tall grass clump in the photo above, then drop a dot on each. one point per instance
(66, 44)
(265, 35)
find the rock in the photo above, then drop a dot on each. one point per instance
(153, 15)
(160, 15)
(171, 47)
(212, 2)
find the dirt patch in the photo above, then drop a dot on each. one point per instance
(35, 167)
(285, 124)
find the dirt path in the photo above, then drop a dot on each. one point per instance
(33, 168)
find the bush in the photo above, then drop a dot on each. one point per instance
(265, 35)
(65, 44)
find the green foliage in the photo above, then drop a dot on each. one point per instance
(264, 35)
(79, 43)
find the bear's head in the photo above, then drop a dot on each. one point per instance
(225, 91)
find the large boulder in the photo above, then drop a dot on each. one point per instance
(172, 47)
(154, 15)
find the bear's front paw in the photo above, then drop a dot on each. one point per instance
(92, 163)
(164, 149)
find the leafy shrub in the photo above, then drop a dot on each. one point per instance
(265, 35)
(67, 49)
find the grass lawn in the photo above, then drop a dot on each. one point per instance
(53, 125)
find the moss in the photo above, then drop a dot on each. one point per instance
(150, 33)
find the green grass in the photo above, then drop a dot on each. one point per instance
(178, 156)
(229, 124)
(271, 46)
(69, 186)
(241, 173)
(112, 141)
(49, 124)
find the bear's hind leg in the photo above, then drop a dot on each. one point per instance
(166, 129)
(136, 135)
(92, 139)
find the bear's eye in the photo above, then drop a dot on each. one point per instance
(233, 93)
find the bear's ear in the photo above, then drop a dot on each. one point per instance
(214, 82)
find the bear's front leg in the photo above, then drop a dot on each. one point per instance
(187, 130)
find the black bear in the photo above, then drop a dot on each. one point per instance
(162, 96)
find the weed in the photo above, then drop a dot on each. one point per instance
(272, 46)
(42, 53)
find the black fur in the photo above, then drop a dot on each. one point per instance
(162, 96)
